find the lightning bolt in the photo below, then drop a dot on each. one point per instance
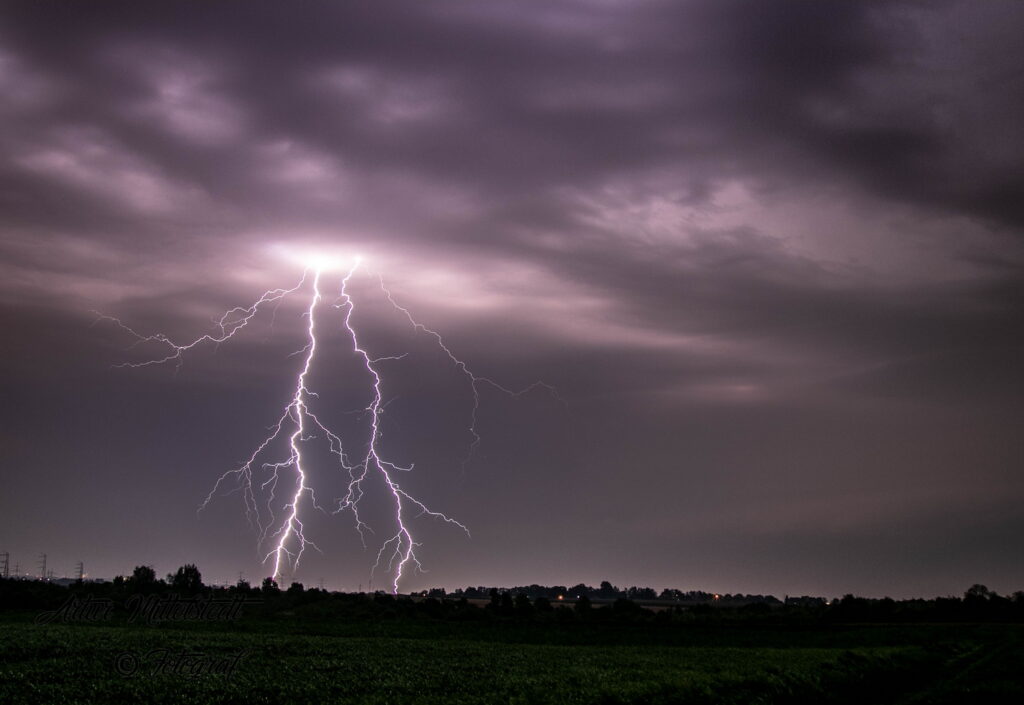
(299, 424)
(299, 413)
(402, 545)
(475, 380)
(230, 323)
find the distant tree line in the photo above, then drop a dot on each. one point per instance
(606, 592)
(530, 603)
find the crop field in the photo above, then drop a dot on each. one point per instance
(259, 662)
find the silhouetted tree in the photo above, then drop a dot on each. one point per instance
(296, 589)
(978, 593)
(143, 579)
(638, 593)
(578, 591)
(187, 579)
(269, 587)
(143, 574)
(582, 606)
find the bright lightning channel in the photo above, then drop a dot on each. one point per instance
(402, 545)
(298, 422)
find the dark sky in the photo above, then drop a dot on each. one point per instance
(770, 254)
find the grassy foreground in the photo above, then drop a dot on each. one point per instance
(284, 660)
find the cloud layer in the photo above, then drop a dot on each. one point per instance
(771, 254)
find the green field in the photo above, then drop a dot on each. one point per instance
(290, 660)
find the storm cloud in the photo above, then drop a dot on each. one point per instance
(770, 254)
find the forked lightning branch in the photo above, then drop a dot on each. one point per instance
(297, 424)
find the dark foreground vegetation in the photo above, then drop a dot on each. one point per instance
(176, 641)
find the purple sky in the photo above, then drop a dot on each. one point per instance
(770, 254)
